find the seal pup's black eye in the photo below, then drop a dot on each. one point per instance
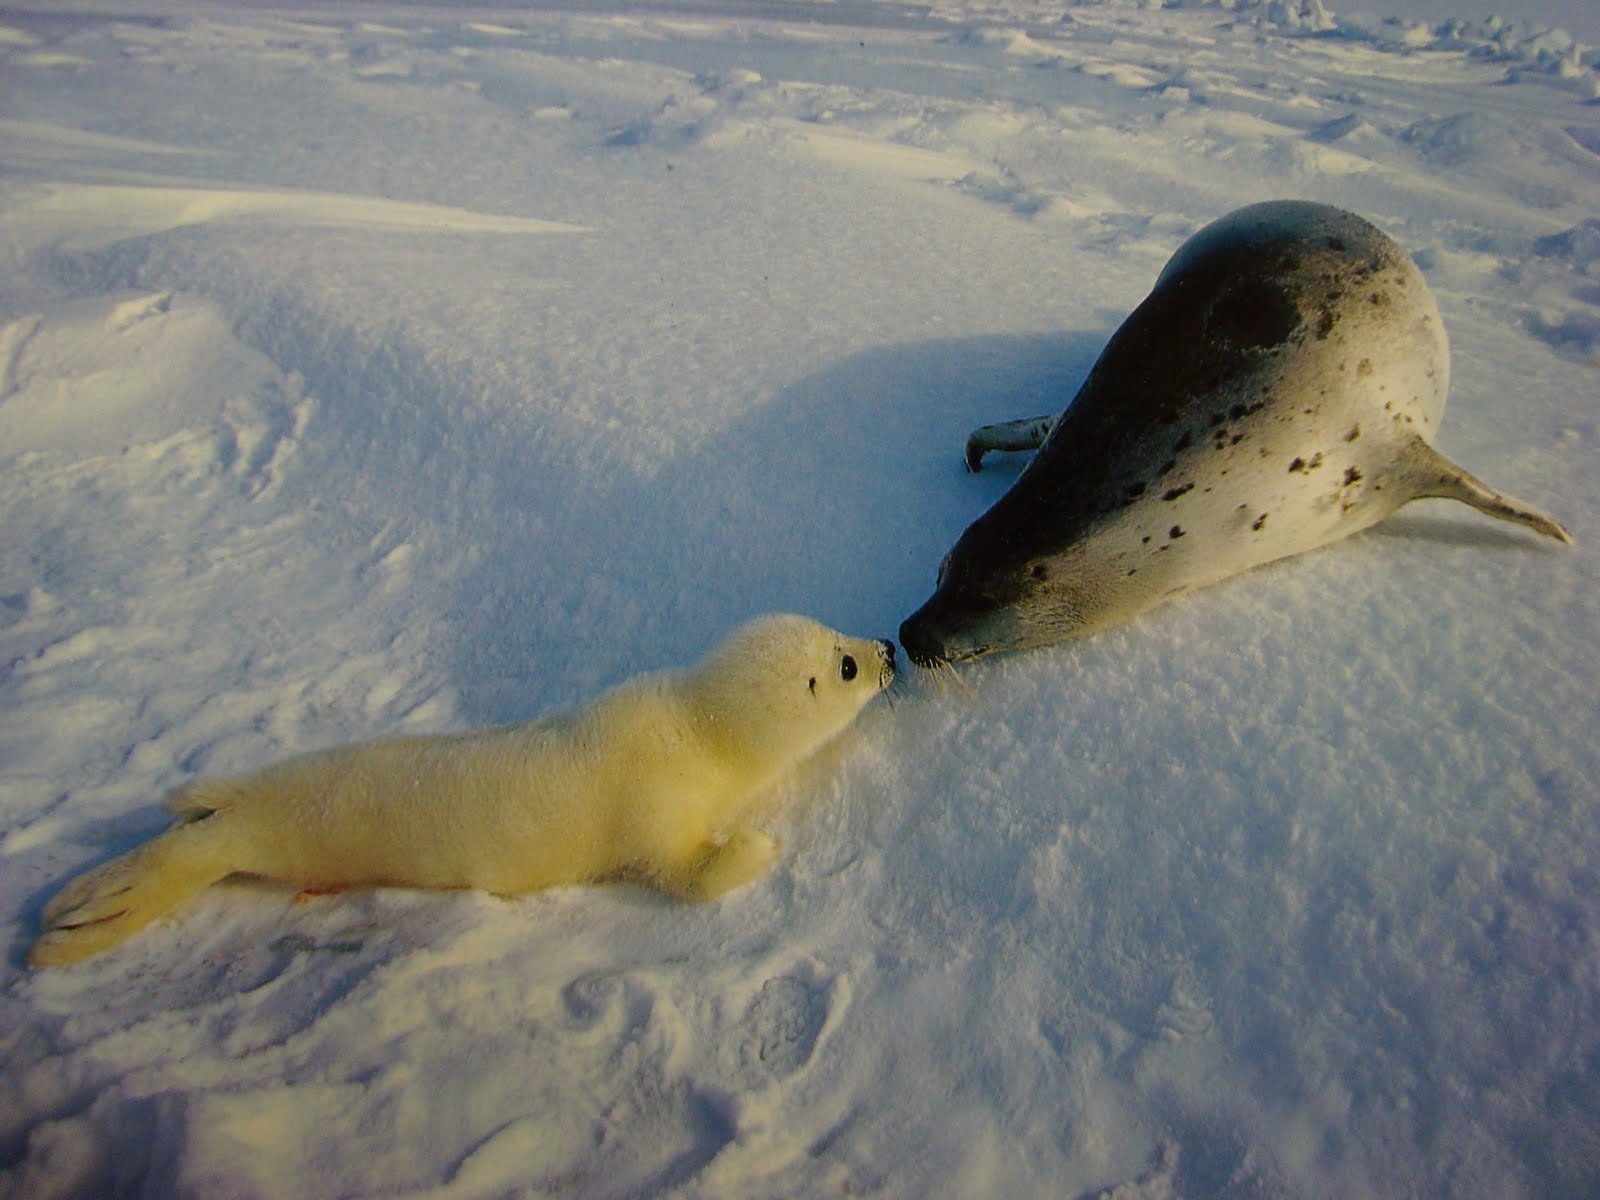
(847, 668)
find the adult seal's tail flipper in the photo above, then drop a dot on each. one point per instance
(1280, 388)
(1433, 476)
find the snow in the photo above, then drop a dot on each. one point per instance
(421, 367)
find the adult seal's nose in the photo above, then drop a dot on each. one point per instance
(922, 644)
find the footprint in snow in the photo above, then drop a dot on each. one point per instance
(779, 1030)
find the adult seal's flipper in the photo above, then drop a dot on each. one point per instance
(1435, 477)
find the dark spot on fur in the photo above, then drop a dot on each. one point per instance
(1174, 493)
(1298, 464)
(1351, 475)
(1255, 314)
(1040, 572)
(1336, 244)
(1167, 466)
(1355, 432)
(1379, 299)
(1364, 368)
(1145, 540)
(1325, 323)
(1218, 419)
(1134, 490)
(1175, 532)
(1184, 443)
(1236, 439)
(1259, 523)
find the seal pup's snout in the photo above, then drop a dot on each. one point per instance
(887, 675)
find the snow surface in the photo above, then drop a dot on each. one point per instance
(412, 367)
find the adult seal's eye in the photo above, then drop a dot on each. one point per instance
(847, 668)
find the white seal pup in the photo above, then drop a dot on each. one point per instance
(1280, 388)
(647, 782)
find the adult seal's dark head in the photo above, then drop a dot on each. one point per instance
(1280, 388)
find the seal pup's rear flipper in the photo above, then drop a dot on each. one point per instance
(1433, 476)
(113, 902)
(201, 798)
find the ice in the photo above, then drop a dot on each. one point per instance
(444, 366)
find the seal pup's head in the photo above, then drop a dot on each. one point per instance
(781, 685)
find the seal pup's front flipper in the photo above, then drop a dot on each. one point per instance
(1433, 476)
(712, 869)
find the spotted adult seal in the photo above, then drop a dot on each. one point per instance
(649, 781)
(1279, 389)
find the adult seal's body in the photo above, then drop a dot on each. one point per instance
(647, 782)
(1280, 388)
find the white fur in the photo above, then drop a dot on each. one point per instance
(647, 781)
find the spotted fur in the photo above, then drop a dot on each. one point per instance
(1279, 389)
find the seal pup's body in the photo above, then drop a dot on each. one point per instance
(648, 781)
(1279, 389)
